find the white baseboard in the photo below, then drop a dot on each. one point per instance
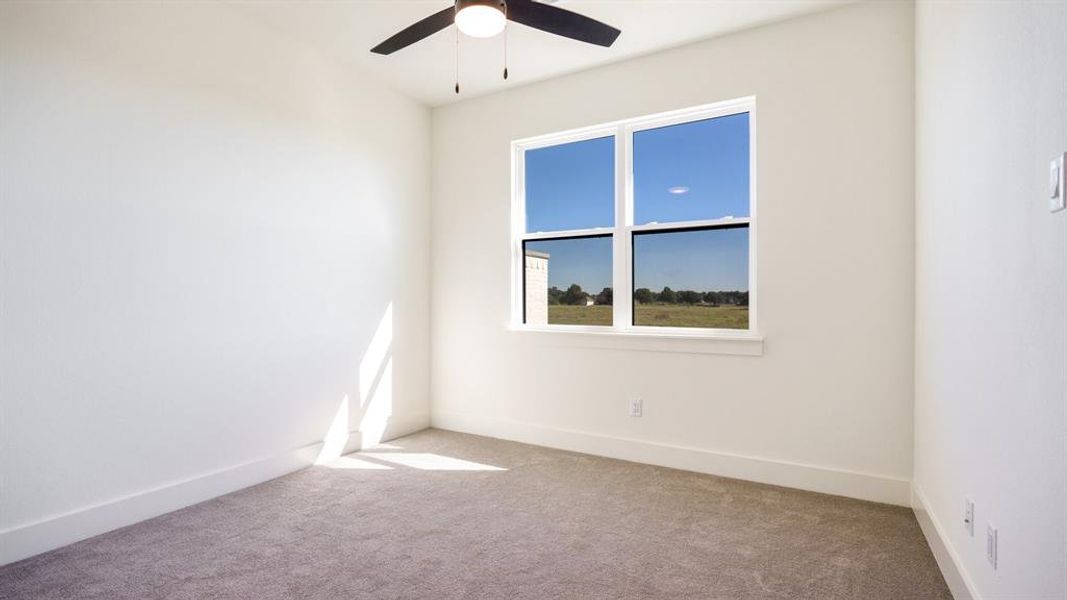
(959, 583)
(51, 533)
(34, 538)
(399, 426)
(877, 488)
(47, 534)
(354, 443)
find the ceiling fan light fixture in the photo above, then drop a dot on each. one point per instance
(486, 18)
(480, 18)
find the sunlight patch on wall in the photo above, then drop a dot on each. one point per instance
(376, 382)
(379, 407)
(375, 356)
(333, 444)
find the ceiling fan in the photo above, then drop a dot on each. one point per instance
(486, 18)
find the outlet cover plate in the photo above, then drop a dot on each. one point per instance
(636, 407)
(1057, 183)
(991, 545)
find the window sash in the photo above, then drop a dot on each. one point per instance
(592, 236)
(715, 225)
(624, 230)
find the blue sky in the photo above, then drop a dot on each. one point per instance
(712, 260)
(585, 261)
(709, 157)
(572, 186)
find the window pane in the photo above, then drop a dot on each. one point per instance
(568, 282)
(571, 186)
(692, 278)
(692, 171)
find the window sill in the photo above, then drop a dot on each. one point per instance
(740, 343)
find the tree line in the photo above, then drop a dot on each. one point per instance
(575, 295)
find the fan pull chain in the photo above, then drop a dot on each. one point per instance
(505, 47)
(457, 60)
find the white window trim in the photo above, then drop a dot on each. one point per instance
(730, 341)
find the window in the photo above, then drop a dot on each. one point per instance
(661, 207)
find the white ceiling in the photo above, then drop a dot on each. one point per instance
(426, 70)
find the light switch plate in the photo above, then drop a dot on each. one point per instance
(1057, 184)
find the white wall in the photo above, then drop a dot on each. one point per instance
(829, 404)
(991, 315)
(204, 226)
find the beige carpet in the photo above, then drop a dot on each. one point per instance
(444, 515)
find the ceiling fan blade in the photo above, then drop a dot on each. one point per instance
(561, 22)
(423, 29)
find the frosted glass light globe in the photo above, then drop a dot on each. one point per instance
(480, 21)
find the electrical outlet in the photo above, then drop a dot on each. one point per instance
(1057, 183)
(991, 545)
(968, 515)
(636, 407)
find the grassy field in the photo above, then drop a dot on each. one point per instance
(658, 315)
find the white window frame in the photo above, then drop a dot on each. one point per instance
(624, 228)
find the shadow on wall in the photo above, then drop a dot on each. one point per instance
(366, 425)
(371, 419)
